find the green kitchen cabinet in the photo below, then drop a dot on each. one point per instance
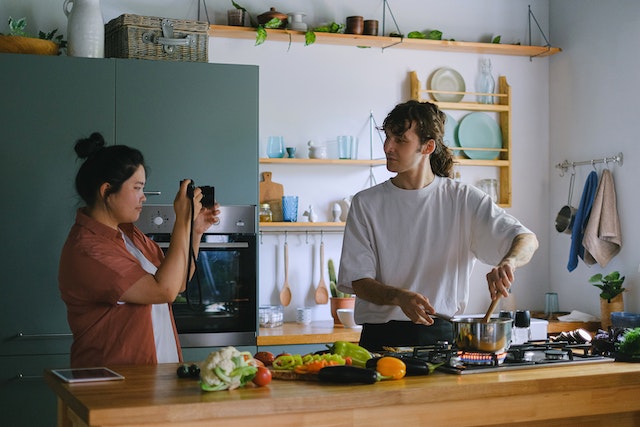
(190, 120)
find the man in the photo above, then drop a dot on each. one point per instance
(410, 243)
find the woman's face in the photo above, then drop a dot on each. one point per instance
(125, 205)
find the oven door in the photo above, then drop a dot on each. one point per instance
(219, 306)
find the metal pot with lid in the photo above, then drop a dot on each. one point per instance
(273, 13)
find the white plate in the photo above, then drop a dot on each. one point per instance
(450, 137)
(479, 130)
(448, 80)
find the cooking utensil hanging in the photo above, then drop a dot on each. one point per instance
(564, 219)
(285, 294)
(322, 294)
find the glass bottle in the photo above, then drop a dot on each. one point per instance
(265, 213)
(484, 82)
(521, 330)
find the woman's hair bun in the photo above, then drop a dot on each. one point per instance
(86, 147)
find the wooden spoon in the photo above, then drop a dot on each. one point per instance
(322, 294)
(492, 307)
(285, 294)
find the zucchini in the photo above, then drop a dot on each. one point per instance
(345, 374)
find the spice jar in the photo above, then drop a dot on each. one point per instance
(265, 213)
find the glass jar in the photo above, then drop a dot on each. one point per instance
(265, 213)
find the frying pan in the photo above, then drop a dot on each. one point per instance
(476, 334)
(564, 219)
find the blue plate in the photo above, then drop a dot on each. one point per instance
(450, 137)
(479, 130)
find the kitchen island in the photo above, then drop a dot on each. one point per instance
(599, 394)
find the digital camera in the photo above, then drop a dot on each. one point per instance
(208, 194)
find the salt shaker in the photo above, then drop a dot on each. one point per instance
(521, 330)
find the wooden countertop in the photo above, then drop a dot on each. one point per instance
(314, 333)
(568, 395)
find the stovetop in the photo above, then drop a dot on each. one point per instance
(536, 354)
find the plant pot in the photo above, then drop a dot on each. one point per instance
(19, 44)
(606, 308)
(337, 303)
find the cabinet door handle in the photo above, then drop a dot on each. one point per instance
(23, 336)
(22, 377)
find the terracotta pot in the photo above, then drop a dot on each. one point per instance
(337, 303)
(29, 45)
(606, 308)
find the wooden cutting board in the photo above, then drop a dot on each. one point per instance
(292, 376)
(272, 192)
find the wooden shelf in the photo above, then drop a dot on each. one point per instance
(384, 42)
(288, 161)
(503, 109)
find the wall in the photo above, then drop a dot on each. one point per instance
(593, 107)
(317, 92)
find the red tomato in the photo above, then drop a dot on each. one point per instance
(265, 357)
(263, 377)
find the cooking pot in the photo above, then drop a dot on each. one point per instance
(474, 334)
(564, 219)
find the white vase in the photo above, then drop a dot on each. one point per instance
(85, 28)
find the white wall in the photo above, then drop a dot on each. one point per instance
(319, 91)
(593, 109)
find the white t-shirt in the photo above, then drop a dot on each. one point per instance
(424, 240)
(166, 348)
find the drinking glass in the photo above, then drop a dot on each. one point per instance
(551, 305)
(275, 147)
(345, 147)
(290, 208)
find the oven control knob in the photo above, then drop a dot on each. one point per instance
(158, 220)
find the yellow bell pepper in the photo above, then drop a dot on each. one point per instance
(391, 368)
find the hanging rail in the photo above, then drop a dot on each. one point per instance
(564, 166)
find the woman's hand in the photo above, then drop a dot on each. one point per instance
(182, 202)
(205, 219)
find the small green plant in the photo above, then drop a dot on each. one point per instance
(610, 285)
(335, 293)
(19, 28)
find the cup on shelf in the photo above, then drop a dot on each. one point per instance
(275, 147)
(235, 17)
(291, 152)
(345, 147)
(370, 27)
(303, 315)
(355, 25)
(290, 208)
(551, 305)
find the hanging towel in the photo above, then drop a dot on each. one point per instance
(580, 221)
(602, 237)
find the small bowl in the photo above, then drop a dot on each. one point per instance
(346, 317)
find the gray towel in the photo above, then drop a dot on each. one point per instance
(602, 237)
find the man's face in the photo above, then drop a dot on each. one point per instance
(404, 152)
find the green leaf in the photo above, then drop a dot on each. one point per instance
(496, 40)
(261, 35)
(435, 35)
(273, 23)
(596, 278)
(309, 38)
(416, 35)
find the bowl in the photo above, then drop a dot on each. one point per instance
(346, 317)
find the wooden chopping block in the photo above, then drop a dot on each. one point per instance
(292, 376)
(272, 192)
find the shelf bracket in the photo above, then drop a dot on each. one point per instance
(206, 12)
(547, 45)
(384, 19)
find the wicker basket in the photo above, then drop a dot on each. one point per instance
(162, 39)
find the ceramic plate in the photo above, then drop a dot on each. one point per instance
(450, 138)
(449, 80)
(479, 130)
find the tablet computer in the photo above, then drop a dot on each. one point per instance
(81, 375)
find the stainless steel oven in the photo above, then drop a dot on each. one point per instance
(219, 306)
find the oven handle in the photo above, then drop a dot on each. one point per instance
(210, 245)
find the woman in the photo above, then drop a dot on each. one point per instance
(117, 284)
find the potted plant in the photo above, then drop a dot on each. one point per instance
(610, 296)
(338, 299)
(19, 41)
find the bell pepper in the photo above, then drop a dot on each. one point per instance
(287, 362)
(391, 368)
(359, 355)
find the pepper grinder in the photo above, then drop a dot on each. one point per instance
(521, 330)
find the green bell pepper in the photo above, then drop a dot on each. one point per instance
(359, 355)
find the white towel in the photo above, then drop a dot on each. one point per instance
(602, 237)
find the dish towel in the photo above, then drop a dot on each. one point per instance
(602, 237)
(580, 221)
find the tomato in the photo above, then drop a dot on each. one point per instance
(263, 377)
(265, 357)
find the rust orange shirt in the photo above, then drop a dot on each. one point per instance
(95, 270)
